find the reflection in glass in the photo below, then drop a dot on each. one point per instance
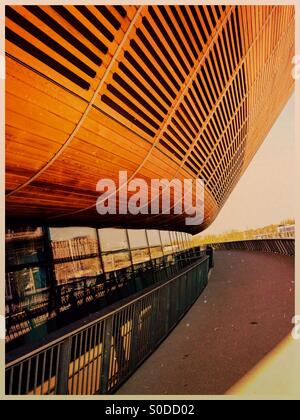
(38, 285)
(153, 237)
(24, 282)
(113, 239)
(189, 240)
(174, 241)
(140, 255)
(166, 242)
(154, 244)
(158, 262)
(73, 242)
(74, 270)
(141, 267)
(137, 238)
(165, 237)
(181, 238)
(185, 240)
(24, 245)
(114, 249)
(116, 260)
(156, 252)
(178, 242)
(139, 246)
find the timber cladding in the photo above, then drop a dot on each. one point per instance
(159, 91)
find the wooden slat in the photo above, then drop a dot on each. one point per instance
(216, 126)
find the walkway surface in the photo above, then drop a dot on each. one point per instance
(244, 312)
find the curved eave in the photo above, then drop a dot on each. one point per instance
(162, 92)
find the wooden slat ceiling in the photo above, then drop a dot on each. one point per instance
(159, 91)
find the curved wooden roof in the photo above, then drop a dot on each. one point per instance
(159, 91)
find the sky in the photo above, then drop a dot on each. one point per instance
(265, 193)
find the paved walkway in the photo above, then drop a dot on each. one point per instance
(245, 311)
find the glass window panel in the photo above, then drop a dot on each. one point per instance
(182, 239)
(113, 239)
(137, 238)
(140, 255)
(156, 252)
(174, 240)
(165, 237)
(24, 282)
(155, 244)
(73, 242)
(73, 270)
(166, 241)
(188, 240)
(24, 245)
(191, 239)
(116, 261)
(153, 237)
(178, 242)
(138, 245)
(168, 249)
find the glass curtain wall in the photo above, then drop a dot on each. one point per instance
(25, 261)
(114, 249)
(75, 254)
(53, 271)
(69, 254)
(156, 249)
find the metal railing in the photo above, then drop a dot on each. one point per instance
(277, 246)
(74, 300)
(99, 356)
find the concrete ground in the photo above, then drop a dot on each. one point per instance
(244, 312)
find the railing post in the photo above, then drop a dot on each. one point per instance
(154, 320)
(210, 253)
(167, 310)
(194, 284)
(63, 367)
(186, 292)
(134, 338)
(190, 280)
(182, 293)
(106, 355)
(200, 277)
(177, 298)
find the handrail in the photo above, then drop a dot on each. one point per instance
(103, 317)
(58, 301)
(128, 334)
(284, 246)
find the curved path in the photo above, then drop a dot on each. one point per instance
(245, 311)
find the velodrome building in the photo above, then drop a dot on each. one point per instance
(161, 92)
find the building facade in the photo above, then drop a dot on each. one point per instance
(161, 92)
